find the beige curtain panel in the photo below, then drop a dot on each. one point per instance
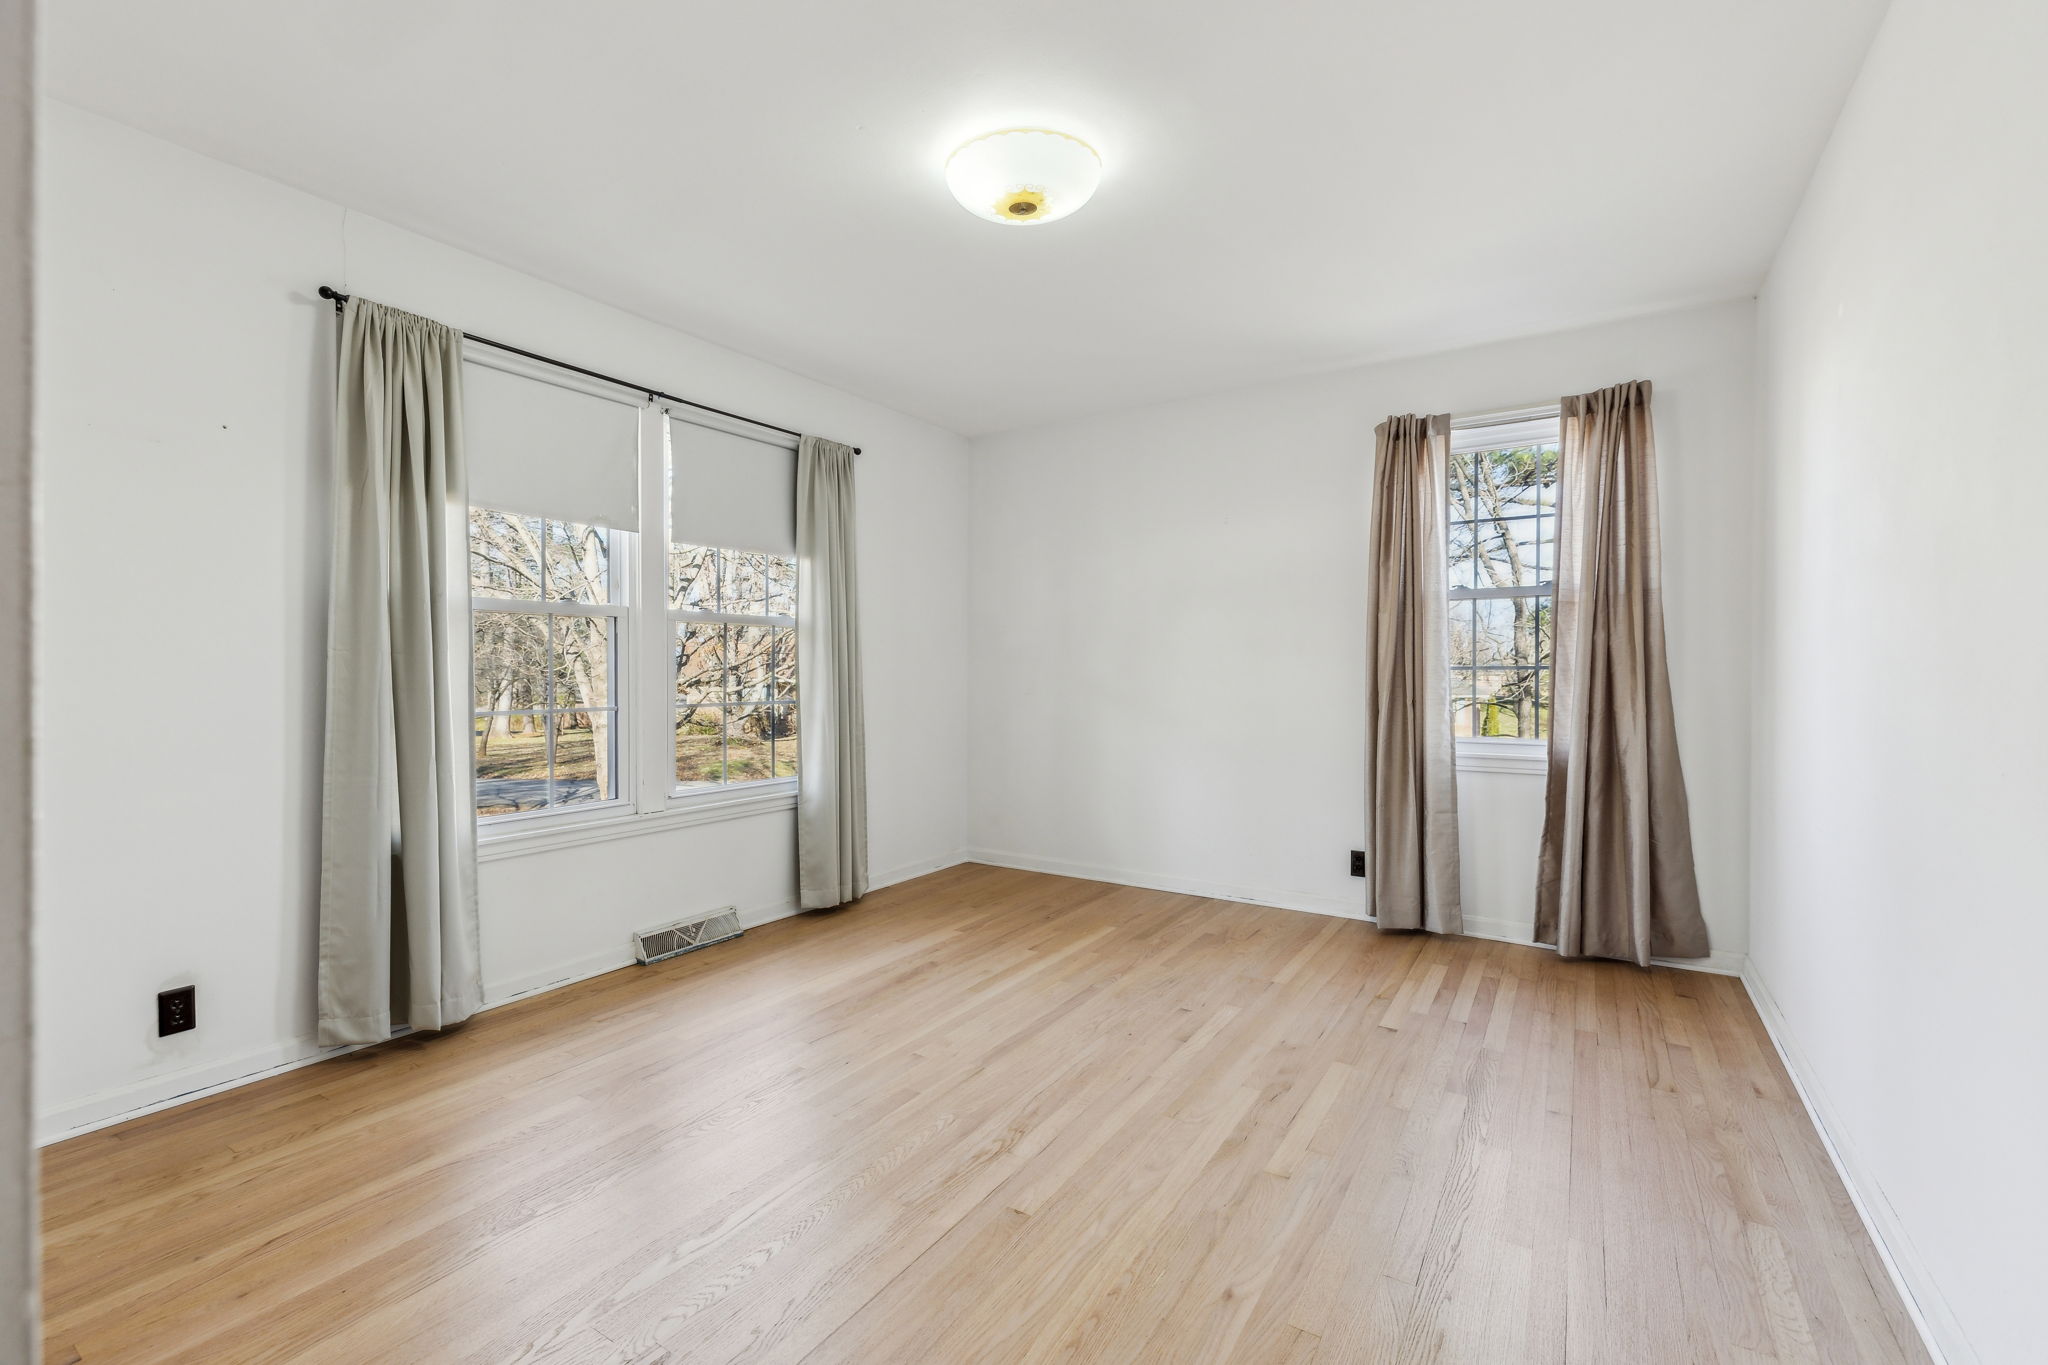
(1615, 876)
(1411, 785)
(832, 791)
(398, 924)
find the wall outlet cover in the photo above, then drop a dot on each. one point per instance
(177, 1010)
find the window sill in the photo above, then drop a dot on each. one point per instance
(681, 812)
(1529, 757)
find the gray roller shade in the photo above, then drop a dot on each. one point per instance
(546, 448)
(735, 492)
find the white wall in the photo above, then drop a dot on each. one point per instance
(18, 1335)
(1901, 761)
(185, 403)
(1198, 569)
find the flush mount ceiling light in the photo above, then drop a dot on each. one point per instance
(1023, 176)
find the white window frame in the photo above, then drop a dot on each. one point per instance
(643, 683)
(678, 616)
(677, 794)
(617, 545)
(1505, 430)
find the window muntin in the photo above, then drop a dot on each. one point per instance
(732, 616)
(1502, 551)
(547, 627)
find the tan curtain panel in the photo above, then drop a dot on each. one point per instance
(1411, 791)
(1615, 875)
(398, 924)
(832, 789)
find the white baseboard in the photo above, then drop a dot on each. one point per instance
(918, 867)
(751, 917)
(504, 992)
(164, 1090)
(1221, 891)
(1501, 930)
(171, 1088)
(181, 1087)
(597, 964)
(1720, 963)
(1931, 1316)
(1939, 1331)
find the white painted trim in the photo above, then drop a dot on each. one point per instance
(1500, 417)
(1523, 757)
(1939, 1330)
(731, 426)
(525, 367)
(1092, 872)
(504, 992)
(1504, 931)
(648, 664)
(683, 813)
(169, 1089)
(597, 964)
(918, 867)
(1530, 426)
(1521, 933)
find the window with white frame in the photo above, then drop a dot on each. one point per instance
(601, 692)
(734, 617)
(546, 625)
(731, 606)
(554, 475)
(1502, 535)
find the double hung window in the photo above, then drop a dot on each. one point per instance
(1502, 537)
(546, 632)
(630, 650)
(732, 607)
(734, 617)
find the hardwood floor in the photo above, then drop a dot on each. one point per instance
(993, 1116)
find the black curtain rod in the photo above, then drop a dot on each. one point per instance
(329, 292)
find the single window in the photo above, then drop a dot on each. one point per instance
(1502, 540)
(547, 625)
(732, 616)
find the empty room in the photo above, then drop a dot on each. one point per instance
(920, 684)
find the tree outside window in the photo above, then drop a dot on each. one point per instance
(1502, 549)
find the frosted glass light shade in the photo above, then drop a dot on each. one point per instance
(1023, 176)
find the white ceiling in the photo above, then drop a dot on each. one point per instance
(1288, 187)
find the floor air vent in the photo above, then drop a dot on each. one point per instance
(686, 936)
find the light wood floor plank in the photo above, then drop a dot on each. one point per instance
(993, 1116)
